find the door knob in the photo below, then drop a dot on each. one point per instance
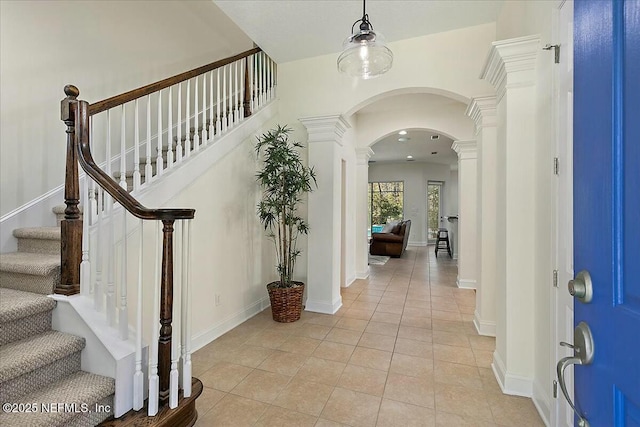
(582, 355)
(581, 287)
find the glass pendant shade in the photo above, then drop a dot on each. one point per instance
(365, 54)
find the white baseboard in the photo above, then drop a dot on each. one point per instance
(484, 327)
(203, 338)
(466, 283)
(323, 306)
(542, 402)
(362, 274)
(515, 385)
(350, 280)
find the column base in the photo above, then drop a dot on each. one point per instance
(323, 306)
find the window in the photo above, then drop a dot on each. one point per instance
(434, 209)
(385, 204)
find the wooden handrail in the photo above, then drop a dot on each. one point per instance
(85, 158)
(114, 101)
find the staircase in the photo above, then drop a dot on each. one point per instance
(40, 372)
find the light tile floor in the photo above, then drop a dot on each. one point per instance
(402, 351)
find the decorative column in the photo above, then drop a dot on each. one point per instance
(362, 211)
(467, 211)
(324, 213)
(511, 69)
(483, 112)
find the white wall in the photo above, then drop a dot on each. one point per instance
(104, 48)
(415, 176)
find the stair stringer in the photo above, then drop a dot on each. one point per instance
(105, 352)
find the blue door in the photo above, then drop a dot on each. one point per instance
(607, 206)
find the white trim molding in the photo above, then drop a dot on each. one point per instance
(326, 128)
(482, 110)
(511, 63)
(542, 402)
(466, 283)
(484, 327)
(515, 385)
(466, 150)
(363, 154)
(323, 306)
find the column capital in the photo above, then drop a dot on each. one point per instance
(326, 128)
(482, 110)
(363, 154)
(511, 63)
(466, 150)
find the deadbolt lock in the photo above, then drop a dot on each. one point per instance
(581, 287)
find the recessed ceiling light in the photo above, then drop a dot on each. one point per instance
(409, 157)
(435, 136)
(403, 139)
(402, 132)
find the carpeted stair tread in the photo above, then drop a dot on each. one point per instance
(29, 354)
(29, 263)
(45, 233)
(76, 389)
(16, 305)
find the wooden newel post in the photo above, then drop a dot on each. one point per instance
(166, 309)
(247, 89)
(71, 227)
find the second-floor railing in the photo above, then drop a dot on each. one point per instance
(151, 130)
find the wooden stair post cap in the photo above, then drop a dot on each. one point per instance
(71, 91)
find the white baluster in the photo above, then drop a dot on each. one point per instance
(138, 377)
(212, 125)
(204, 137)
(230, 113)
(187, 127)
(123, 310)
(99, 291)
(109, 251)
(136, 149)
(242, 67)
(236, 115)
(154, 389)
(159, 159)
(224, 98)
(148, 168)
(123, 150)
(196, 136)
(186, 308)
(275, 79)
(170, 129)
(252, 74)
(85, 265)
(108, 242)
(218, 121)
(176, 327)
(263, 67)
(272, 79)
(179, 125)
(260, 83)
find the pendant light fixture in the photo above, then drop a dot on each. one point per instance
(365, 54)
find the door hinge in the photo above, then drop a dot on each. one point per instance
(556, 49)
(556, 166)
(555, 389)
(555, 278)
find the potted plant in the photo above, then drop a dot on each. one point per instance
(284, 179)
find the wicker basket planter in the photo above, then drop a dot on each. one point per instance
(286, 303)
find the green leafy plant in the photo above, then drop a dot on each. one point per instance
(284, 180)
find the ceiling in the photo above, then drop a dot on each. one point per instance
(419, 145)
(289, 30)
